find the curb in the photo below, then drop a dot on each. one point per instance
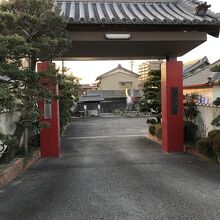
(196, 154)
(186, 149)
(16, 168)
(154, 139)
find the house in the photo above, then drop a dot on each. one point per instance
(89, 104)
(206, 84)
(118, 79)
(112, 86)
(84, 88)
(115, 100)
(194, 66)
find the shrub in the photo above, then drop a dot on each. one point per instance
(8, 145)
(217, 101)
(158, 131)
(204, 146)
(213, 133)
(216, 121)
(216, 147)
(190, 108)
(151, 121)
(189, 131)
(216, 143)
(152, 129)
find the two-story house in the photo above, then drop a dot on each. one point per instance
(112, 86)
(118, 79)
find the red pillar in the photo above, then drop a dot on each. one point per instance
(172, 106)
(50, 136)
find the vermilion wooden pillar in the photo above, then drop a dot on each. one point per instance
(50, 136)
(172, 106)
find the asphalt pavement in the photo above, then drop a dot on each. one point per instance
(109, 170)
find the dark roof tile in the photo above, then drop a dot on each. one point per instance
(113, 93)
(140, 12)
(91, 98)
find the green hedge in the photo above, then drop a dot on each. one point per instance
(152, 129)
(204, 146)
(189, 131)
(158, 131)
(216, 144)
(213, 133)
(210, 146)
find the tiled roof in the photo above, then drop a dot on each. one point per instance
(194, 66)
(116, 70)
(91, 98)
(114, 93)
(202, 77)
(183, 12)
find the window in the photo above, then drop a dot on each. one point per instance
(126, 84)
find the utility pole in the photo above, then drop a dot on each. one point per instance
(132, 65)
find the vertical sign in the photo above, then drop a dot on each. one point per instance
(47, 110)
(174, 100)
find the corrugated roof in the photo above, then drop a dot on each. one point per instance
(114, 93)
(184, 12)
(91, 98)
(203, 76)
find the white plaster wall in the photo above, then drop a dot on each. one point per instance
(112, 82)
(7, 122)
(216, 92)
(206, 92)
(205, 117)
(212, 93)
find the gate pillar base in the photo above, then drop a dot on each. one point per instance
(172, 106)
(49, 136)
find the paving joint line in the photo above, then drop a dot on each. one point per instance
(104, 136)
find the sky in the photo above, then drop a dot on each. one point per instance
(88, 71)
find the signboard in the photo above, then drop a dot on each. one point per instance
(47, 110)
(174, 100)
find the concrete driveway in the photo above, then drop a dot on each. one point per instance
(109, 170)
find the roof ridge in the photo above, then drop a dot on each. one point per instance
(196, 63)
(118, 67)
(206, 67)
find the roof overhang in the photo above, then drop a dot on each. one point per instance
(90, 44)
(156, 28)
(198, 86)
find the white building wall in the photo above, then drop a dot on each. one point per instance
(216, 92)
(113, 82)
(205, 92)
(205, 117)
